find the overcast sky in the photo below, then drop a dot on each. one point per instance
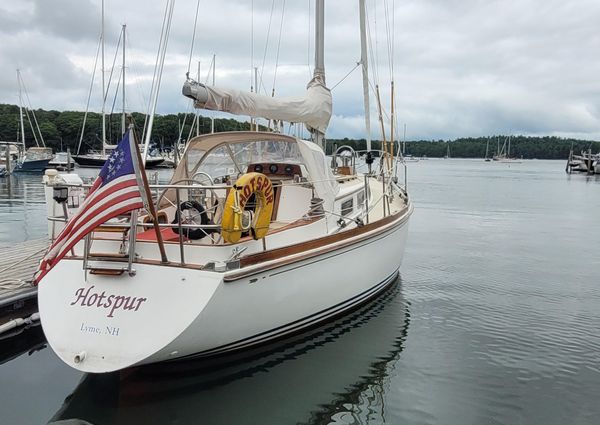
(461, 67)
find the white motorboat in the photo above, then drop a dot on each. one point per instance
(62, 161)
(293, 242)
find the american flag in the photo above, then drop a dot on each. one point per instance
(115, 191)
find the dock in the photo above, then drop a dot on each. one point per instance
(18, 296)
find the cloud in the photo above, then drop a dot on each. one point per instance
(461, 68)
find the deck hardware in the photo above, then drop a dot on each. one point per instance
(79, 357)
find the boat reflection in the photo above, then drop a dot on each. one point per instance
(25, 339)
(338, 369)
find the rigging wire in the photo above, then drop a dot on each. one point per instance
(252, 47)
(154, 76)
(141, 92)
(278, 48)
(262, 68)
(112, 69)
(33, 114)
(388, 32)
(373, 55)
(114, 102)
(346, 76)
(87, 105)
(159, 70)
(187, 74)
(210, 69)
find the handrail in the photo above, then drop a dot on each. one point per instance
(128, 225)
(215, 187)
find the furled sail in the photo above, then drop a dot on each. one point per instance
(313, 109)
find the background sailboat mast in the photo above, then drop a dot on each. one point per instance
(103, 88)
(123, 128)
(21, 109)
(319, 73)
(158, 70)
(364, 60)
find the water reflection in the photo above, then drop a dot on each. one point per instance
(22, 209)
(337, 372)
(26, 339)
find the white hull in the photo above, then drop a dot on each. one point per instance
(166, 313)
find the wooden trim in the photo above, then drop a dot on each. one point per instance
(110, 229)
(290, 254)
(106, 272)
(149, 262)
(277, 193)
(318, 246)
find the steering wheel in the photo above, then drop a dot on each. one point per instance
(192, 212)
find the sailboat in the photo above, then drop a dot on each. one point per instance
(34, 159)
(257, 237)
(98, 159)
(487, 147)
(503, 155)
(406, 156)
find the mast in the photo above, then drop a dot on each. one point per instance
(123, 128)
(313, 109)
(21, 109)
(212, 119)
(319, 73)
(319, 40)
(364, 60)
(103, 88)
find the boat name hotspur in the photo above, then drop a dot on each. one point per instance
(111, 302)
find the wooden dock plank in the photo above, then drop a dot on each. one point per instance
(18, 263)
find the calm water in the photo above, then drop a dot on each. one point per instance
(496, 320)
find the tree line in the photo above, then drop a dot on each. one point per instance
(527, 147)
(62, 130)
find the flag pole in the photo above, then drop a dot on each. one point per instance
(150, 205)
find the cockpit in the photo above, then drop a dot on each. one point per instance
(212, 164)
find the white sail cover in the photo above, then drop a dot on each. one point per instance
(313, 109)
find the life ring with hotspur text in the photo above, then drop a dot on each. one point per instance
(236, 220)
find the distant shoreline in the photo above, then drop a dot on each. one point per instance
(62, 130)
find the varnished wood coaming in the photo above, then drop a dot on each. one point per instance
(146, 261)
(304, 250)
(278, 257)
